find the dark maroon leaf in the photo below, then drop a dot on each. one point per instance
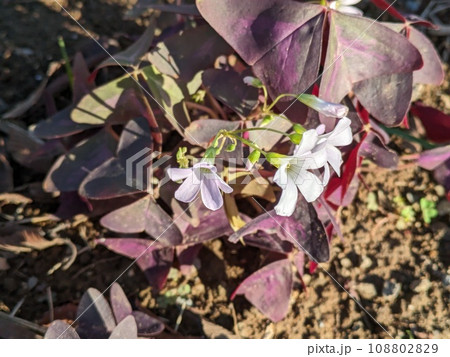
(302, 229)
(69, 170)
(135, 137)
(60, 329)
(182, 56)
(144, 214)
(373, 148)
(152, 258)
(269, 289)
(349, 55)
(127, 328)
(108, 180)
(202, 131)
(60, 125)
(230, 89)
(281, 39)
(147, 326)
(81, 83)
(386, 97)
(94, 316)
(211, 225)
(119, 303)
(436, 123)
(270, 242)
(186, 256)
(384, 5)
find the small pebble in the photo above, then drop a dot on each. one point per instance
(366, 263)
(366, 290)
(306, 279)
(440, 190)
(446, 280)
(391, 290)
(420, 286)
(346, 263)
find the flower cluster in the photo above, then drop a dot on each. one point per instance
(307, 170)
(299, 171)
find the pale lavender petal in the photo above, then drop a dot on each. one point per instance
(326, 108)
(334, 157)
(223, 185)
(326, 175)
(211, 196)
(351, 10)
(176, 174)
(188, 189)
(205, 165)
(341, 134)
(288, 199)
(311, 187)
(308, 142)
(281, 177)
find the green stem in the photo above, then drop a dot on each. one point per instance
(280, 97)
(62, 47)
(253, 129)
(248, 142)
(403, 134)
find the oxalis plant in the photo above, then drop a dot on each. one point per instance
(248, 120)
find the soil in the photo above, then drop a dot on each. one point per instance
(399, 275)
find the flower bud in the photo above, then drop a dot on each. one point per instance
(267, 120)
(326, 108)
(296, 138)
(299, 129)
(254, 156)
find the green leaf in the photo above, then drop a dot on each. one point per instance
(169, 95)
(98, 105)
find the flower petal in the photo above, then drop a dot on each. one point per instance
(176, 174)
(341, 134)
(334, 157)
(326, 175)
(288, 199)
(223, 185)
(311, 187)
(188, 189)
(211, 195)
(281, 177)
(308, 142)
(351, 10)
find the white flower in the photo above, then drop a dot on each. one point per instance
(293, 175)
(341, 135)
(346, 7)
(201, 177)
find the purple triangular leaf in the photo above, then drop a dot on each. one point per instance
(147, 326)
(202, 131)
(431, 159)
(95, 318)
(108, 180)
(275, 36)
(302, 229)
(229, 88)
(186, 256)
(152, 258)
(374, 149)
(127, 328)
(60, 329)
(144, 214)
(119, 303)
(269, 289)
(69, 170)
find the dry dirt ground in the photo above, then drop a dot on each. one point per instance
(400, 276)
